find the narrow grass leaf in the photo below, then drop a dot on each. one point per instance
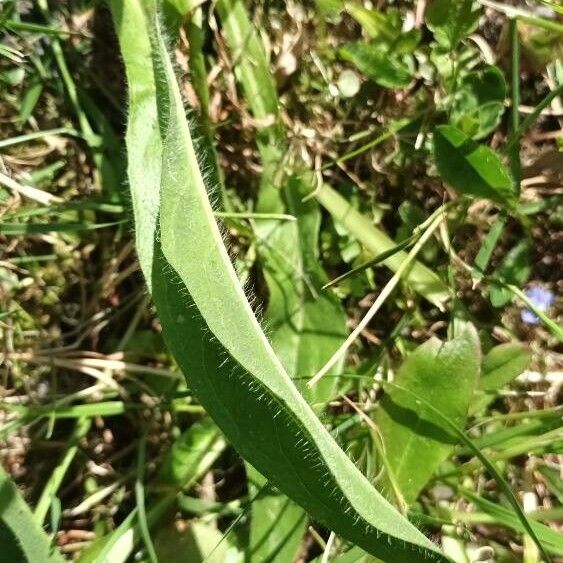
(552, 539)
(423, 280)
(305, 324)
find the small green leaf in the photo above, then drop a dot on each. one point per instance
(500, 366)
(552, 478)
(551, 539)
(480, 99)
(191, 454)
(514, 269)
(376, 24)
(472, 169)
(415, 440)
(377, 63)
(330, 8)
(451, 20)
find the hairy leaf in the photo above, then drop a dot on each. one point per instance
(210, 328)
(305, 323)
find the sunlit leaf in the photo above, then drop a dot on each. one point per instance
(415, 441)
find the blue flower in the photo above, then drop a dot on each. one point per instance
(542, 298)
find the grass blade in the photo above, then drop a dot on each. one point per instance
(419, 277)
(55, 480)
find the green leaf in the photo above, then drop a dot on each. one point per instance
(211, 330)
(553, 481)
(191, 454)
(552, 540)
(500, 366)
(376, 24)
(305, 323)
(451, 20)
(385, 28)
(479, 101)
(277, 524)
(377, 63)
(514, 269)
(472, 169)
(21, 538)
(415, 440)
(330, 8)
(196, 543)
(419, 277)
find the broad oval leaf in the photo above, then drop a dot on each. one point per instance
(415, 440)
(470, 168)
(210, 328)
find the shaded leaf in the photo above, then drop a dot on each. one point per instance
(472, 169)
(305, 323)
(197, 542)
(500, 366)
(451, 20)
(191, 454)
(277, 524)
(479, 102)
(22, 539)
(514, 269)
(552, 540)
